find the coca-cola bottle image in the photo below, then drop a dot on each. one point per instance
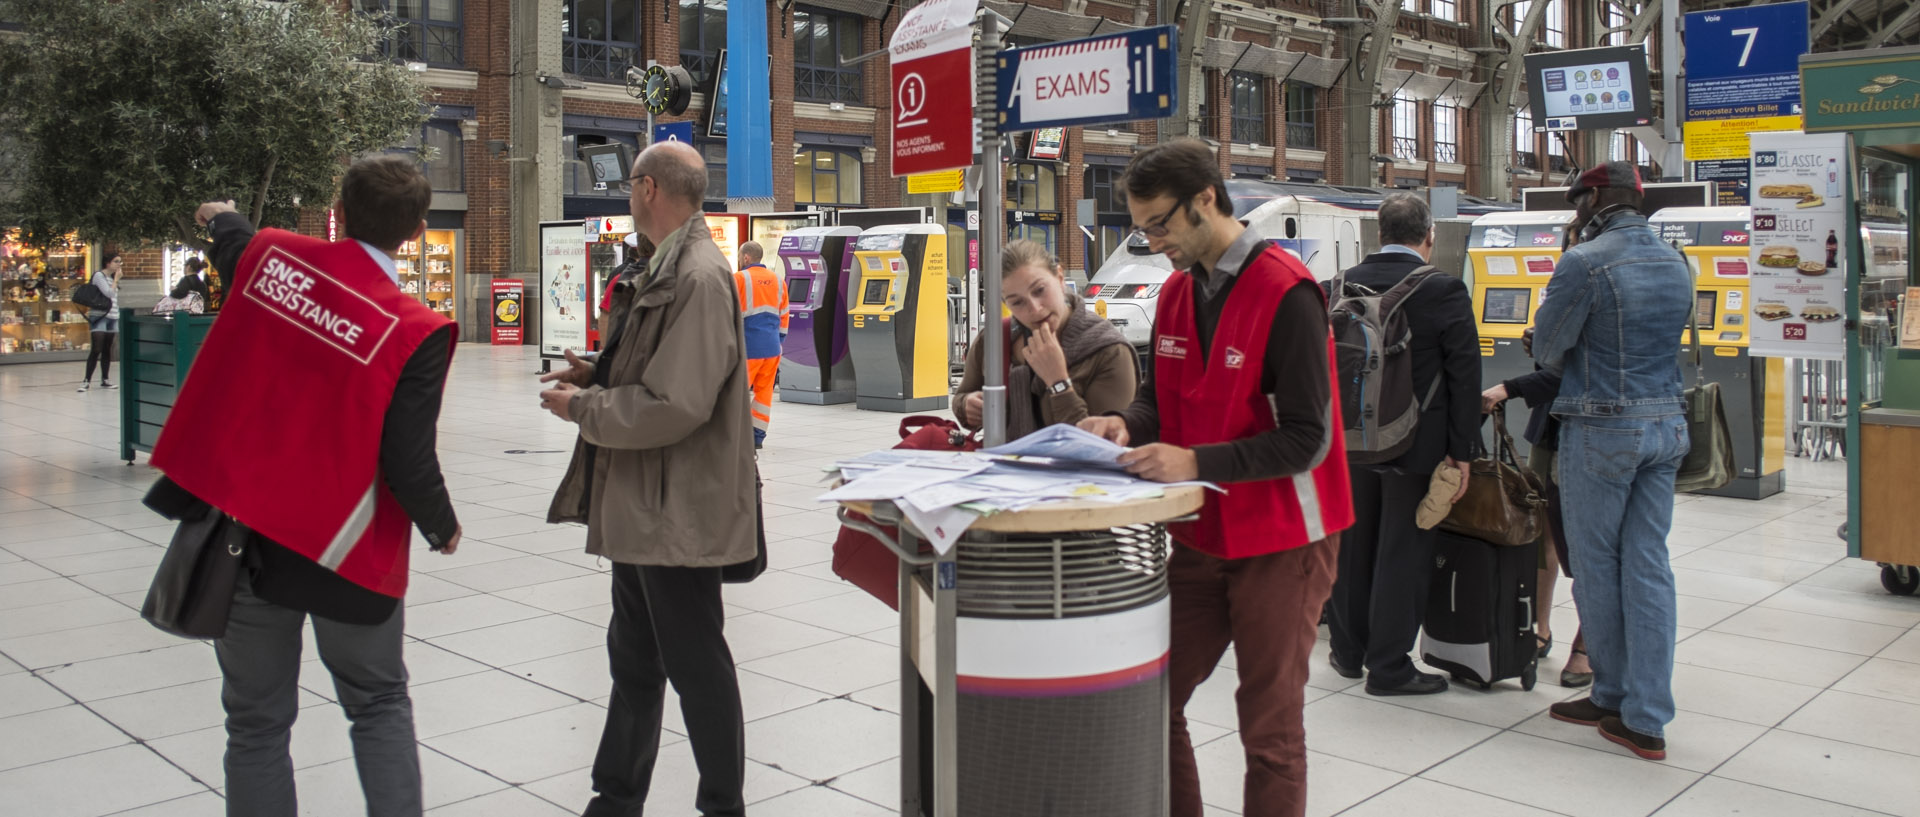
(1833, 250)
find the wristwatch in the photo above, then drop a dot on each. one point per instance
(1061, 387)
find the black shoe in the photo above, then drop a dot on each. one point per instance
(1344, 670)
(1423, 683)
(1646, 746)
(1583, 712)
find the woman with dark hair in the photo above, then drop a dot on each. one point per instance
(1065, 363)
(104, 325)
(195, 281)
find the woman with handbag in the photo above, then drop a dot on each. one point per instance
(104, 324)
(1065, 363)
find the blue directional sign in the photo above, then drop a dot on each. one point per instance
(674, 132)
(1099, 80)
(1744, 63)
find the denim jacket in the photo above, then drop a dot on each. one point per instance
(1611, 323)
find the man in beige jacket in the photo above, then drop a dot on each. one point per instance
(663, 475)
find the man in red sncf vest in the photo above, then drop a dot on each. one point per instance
(310, 417)
(1242, 395)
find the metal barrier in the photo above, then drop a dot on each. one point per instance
(1818, 399)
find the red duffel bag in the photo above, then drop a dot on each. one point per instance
(860, 558)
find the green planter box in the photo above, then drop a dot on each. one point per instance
(155, 353)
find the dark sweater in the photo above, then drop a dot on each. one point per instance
(1294, 376)
(1445, 345)
(408, 461)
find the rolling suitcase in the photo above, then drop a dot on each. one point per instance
(1479, 624)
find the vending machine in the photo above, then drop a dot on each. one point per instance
(898, 336)
(815, 366)
(1510, 259)
(1714, 241)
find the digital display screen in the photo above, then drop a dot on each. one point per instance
(1706, 306)
(1589, 89)
(1512, 305)
(799, 290)
(606, 167)
(875, 292)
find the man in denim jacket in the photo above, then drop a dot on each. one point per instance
(1611, 323)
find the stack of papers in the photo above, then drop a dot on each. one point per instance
(942, 492)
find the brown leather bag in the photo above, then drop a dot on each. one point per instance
(1505, 503)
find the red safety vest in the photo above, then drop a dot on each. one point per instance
(279, 424)
(1218, 399)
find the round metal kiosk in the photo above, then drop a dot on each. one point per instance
(1058, 637)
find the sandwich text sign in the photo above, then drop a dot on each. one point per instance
(1798, 246)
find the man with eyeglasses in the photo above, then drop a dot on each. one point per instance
(1241, 394)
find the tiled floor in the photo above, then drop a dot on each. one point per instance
(1799, 679)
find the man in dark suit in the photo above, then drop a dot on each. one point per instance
(1386, 561)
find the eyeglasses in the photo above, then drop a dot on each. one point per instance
(1158, 227)
(633, 181)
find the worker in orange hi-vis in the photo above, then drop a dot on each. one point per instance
(763, 303)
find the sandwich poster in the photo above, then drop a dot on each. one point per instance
(1798, 252)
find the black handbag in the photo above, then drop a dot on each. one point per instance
(1709, 463)
(192, 591)
(89, 296)
(743, 572)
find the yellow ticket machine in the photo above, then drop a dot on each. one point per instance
(1715, 241)
(1510, 258)
(899, 313)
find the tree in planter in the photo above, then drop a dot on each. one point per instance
(126, 115)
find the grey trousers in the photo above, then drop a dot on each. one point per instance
(260, 661)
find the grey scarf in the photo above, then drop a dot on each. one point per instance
(1084, 335)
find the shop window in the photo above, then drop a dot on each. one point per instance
(1103, 185)
(1032, 187)
(1247, 99)
(1047, 235)
(1302, 117)
(826, 177)
(1524, 151)
(716, 155)
(822, 42)
(577, 180)
(429, 30)
(35, 315)
(446, 168)
(599, 39)
(703, 32)
(1444, 9)
(1446, 133)
(1406, 127)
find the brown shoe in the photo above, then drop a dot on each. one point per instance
(1583, 712)
(1651, 748)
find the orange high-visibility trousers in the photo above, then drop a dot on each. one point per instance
(761, 372)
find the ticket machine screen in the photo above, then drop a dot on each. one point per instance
(800, 290)
(1507, 305)
(1706, 306)
(875, 292)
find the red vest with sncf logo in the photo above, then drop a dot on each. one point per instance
(279, 423)
(1215, 397)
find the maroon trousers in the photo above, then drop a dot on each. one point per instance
(1269, 608)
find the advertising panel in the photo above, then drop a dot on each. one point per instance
(1798, 265)
(563, 288)
(508, 320)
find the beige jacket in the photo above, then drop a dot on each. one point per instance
(663, 473)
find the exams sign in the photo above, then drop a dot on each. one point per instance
(1116, 78)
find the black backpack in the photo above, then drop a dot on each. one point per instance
(1372, 343)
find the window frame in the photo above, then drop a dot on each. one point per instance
(1242, 87)
(405, 48)
(1446, 133)
(1405, 113)
(702, 59)
(1526, 143)
(1554, 28)
(813, 82)
(1302, 132)
(842, 154)
(601, 59)
(456, 155)
(1045, 183)
(1448, 10)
